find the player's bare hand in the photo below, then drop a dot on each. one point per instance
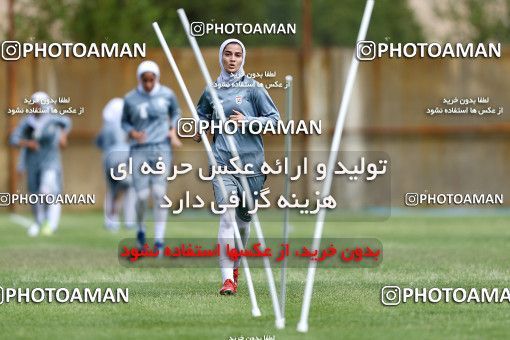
(174, 138)
(176, 143)
(197, 138)
(63, 140)
(31, 144)
(139, 136)
(237, 117)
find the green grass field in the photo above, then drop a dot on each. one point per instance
(184, 303)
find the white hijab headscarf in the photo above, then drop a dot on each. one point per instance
(226, 77)
(38, 122)
(148, 66)
(43, 99)
(112, 112)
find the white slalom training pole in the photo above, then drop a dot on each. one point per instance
(255, 309)
(279, 322)
(21, 220)
(335, 146)
(288, 148)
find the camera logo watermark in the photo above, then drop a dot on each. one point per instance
(15, 50)
(186, 127)
(390, 295)
(368, 50)
(11, 50)
(5, 199)
(199, 28)
(413, 199)
(395, 295)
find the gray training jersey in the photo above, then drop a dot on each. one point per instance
(112, 137)
(46, 130)
(113, 141)
(155, 114)
(254, 103)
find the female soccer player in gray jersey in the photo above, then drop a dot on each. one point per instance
(243, 100)
(149, 117)
(113, 142)
(41, 135)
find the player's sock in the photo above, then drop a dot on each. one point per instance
(38, 211)
(115, 215)
(50, 185)
(159, 235)
(141, 206)
(226, 236)
(159, 231)
(244, 230)
(160, 214)
(107, 208)
(113, 223)
(129, 208)
(54, 216)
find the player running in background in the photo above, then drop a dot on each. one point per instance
(113, 142)
(150, 118)
(42, 134)
(243, 100)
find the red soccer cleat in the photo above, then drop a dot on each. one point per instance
(229, 288)
(236, 275)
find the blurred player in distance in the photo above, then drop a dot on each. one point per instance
(113, 142)
(41, 135)
(243, 100)
(149, 117)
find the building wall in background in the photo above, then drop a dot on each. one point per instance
(387, 113)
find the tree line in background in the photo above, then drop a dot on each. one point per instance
(488, 20)
(335, 23)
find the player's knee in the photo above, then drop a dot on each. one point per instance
(143, 195)
(49, 183)
(158, 191)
